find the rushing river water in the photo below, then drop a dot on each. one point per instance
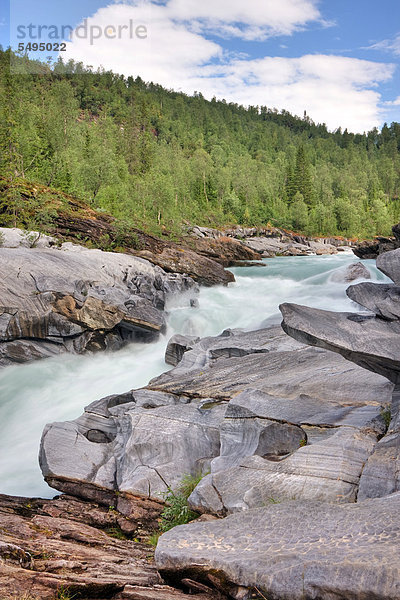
(57, 389)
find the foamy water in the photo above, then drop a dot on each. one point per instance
(57, 389)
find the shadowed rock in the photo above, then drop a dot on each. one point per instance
(383, 299)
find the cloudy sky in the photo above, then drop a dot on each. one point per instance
(336, 59)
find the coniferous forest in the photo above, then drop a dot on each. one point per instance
(156, 158)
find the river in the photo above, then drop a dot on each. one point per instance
(57, 389)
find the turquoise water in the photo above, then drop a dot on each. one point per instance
(57, 389)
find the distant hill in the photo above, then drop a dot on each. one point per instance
(155, 158)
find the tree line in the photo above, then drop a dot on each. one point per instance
(158, 158)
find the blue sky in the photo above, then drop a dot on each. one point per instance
(336, 59)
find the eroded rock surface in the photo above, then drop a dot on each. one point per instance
(297, 550)
(80, 549)
(74, 299)
(265, 414)
(372, 341)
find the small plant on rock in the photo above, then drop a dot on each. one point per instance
(386, 415)
(177, 511)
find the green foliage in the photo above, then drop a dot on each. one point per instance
(155, 158)
(176, 511)
(153, 538)
(386, 415)
(116, 532)
(63, 593)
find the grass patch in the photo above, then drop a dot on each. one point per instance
(177, 511)
(386, 415)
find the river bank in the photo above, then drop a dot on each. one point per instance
(216, 373)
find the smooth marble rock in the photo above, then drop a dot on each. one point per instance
(75, 300)
(381, 299)
(327, 470)
(293, 550)
(368, 341)
(242, 396)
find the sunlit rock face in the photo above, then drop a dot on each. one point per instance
(264, 415)
(371, 341)
(73, 299)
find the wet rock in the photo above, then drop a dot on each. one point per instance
(76, 300)
(177, 346)
(351, 273)
(296, 549)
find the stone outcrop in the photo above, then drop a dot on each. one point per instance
(70, 548)
(266, 415)
(73, 299)
(372, 341)
(351, 273)
(176, 259)
(379, 245)
(293, 550)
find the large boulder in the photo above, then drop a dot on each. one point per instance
(177, 259)
(75, 299)
(257, 410)
(371, 341)
(294, 550)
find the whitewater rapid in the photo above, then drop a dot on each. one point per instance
(57, 389)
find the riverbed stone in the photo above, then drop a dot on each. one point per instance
(368, 341)
(72, 299)
(382, 299)
(350, 273)
(389, 263)
(292, 550)
(242, 396)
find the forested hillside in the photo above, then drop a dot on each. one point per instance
(156, 158)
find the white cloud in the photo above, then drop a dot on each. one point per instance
(251, 20)
(389, 45)
(337, 90)
(395, 102)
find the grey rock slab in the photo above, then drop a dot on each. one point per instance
(177, 346)
(308, 410)
(307, 371)
(389, 263)
(293, 551)
(381, 474)
(382, 299)
(142, 443)
(368, 341)
(327, 470)
(242, 403)
(72, 292)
